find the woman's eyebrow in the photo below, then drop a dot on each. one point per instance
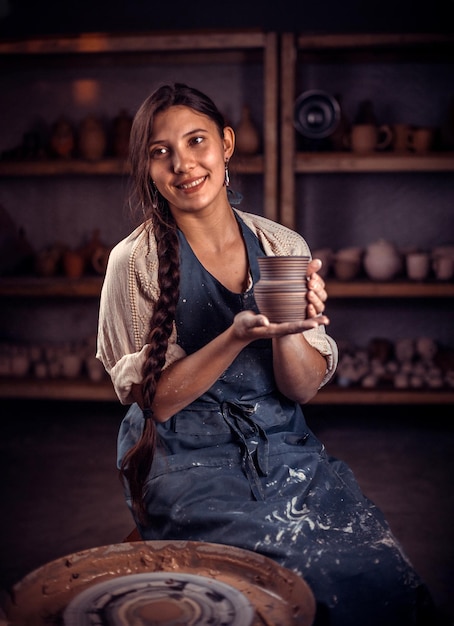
(190, 132)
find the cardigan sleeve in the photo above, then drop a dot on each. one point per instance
(128, 296)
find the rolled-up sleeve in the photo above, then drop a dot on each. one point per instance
(128, 296)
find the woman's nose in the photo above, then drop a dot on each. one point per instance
(182, 161)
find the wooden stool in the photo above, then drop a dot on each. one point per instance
(133, 536)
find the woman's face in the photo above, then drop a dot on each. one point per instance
(187, 159)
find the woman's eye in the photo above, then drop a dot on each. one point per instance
(197, 140)
(157, 153)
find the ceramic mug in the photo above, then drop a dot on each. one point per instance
(420, 140)
(443, 266)
(401, 134)
(418, 265)
(365, 138)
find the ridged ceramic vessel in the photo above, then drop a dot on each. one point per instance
(281, 292)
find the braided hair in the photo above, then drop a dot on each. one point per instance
(145, 197)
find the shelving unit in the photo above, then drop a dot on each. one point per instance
(348, 48)
(279, 167)
(90, 287)
(250, 60)
(148, 48)
(319, 62)
(85, 390)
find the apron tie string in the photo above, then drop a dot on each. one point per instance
(253, 442)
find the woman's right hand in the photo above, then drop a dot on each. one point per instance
(249, 326)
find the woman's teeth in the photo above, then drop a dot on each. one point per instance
(193, 184)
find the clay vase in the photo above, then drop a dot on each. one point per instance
(247, 135)
(121, 129)
(100, 258)
(281, 292)
(382, 260)
(62, 140)
(73, 263)
(92, 139)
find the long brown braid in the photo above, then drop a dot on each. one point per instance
(136, 464)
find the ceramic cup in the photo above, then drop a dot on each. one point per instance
(443, 266)
(281, 292)
(401, 134)
(418, 265)
(420, 140)
(367, 138)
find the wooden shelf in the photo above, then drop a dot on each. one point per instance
(347, 162)
(106, 167)
(90, 287)
(110, 43)
(83, 389)
(56, 389)
(139, 48)
(398, 289)
(350, 48)
(56, 287)
(354, 395)
(64, 167)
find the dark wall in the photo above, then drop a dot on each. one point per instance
(35, 17)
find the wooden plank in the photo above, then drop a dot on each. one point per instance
(101, 43)
(270, 134)
(56, 389)
(373, 40)
(287, 191)
(63, 167)
(397, 289)
(90, 286)
(336, 395)
(54, 287)
(347, 162)
(85, 390)
(106, 167)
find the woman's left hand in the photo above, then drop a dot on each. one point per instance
(316, 294)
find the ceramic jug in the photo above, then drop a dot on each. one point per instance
(62, 139)
(121, 129)
(382, 260)
(92, 139)
(247, 136)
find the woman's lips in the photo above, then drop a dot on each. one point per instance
(193, 184)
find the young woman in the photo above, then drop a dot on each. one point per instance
(215, 446)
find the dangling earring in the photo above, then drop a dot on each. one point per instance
(226, 175)
(154, 195)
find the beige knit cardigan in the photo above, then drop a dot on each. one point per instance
(130, 290)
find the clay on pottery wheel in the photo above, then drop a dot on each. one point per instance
(278, 595)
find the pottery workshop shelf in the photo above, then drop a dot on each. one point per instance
(106, 167)
(397, 289)
(85, 390)
(345, 162)
(285, 181)
(90, 287)
(56, 287)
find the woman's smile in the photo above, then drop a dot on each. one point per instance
(192, 185)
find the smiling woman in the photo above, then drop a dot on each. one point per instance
(215, 446)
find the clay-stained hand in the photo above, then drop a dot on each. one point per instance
(316, 294)
(250, 326)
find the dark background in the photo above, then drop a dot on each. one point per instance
(26, 17)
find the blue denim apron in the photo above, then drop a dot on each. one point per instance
(240, 466)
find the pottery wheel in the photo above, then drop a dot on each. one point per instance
(160, 599)
(245, 583)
